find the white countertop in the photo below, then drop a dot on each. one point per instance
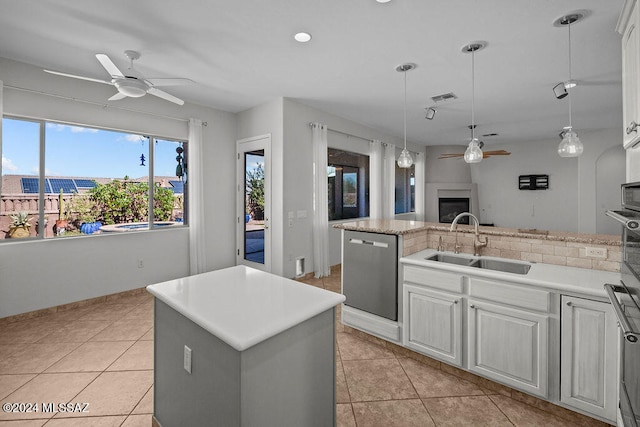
(243, 306)
(560, 278)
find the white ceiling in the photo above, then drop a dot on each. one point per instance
(241, 53)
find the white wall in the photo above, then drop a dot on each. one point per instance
(40, 274)
(453, 170)
(633, 164)
(570, 202)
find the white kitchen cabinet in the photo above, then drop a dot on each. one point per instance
(629, 27)
(433, 323)
(509, 345)
(588, 356)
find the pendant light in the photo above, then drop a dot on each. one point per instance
(473, 153)
(570, 146)
(405, 161)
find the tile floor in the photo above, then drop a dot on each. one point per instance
(102, 354)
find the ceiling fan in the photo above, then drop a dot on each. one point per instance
(131, 85)
(485, 154)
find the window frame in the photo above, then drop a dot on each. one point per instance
(335, 193)
(42, 176)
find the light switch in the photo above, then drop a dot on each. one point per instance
(187, 359)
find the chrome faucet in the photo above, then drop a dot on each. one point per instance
(477, 242)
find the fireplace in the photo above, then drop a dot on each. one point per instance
(450, 207)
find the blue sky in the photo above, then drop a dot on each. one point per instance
(82, 152)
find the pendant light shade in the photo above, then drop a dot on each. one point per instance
(405, 161)
(473, 154)
(570, 146)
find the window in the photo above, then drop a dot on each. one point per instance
(90, 180)
(405, 190)
(348, 180)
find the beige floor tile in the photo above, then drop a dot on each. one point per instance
(116, 393)
(523, 415)
(28, 331)
(48, 388)
(7, 350)
(10, 383)
(140, 312)
(392, 413)
(76, 331)
(94, 356)
(353, 348)
(466, 410)
(344, 415)
(342, 392)
(138, 357)
(106, 311)
(431, 382)
(148, 336)
(23, 423)
(87, 421)
(146, 404)
(382, 379)
(143, 420)
(124, 330)
(35, 358)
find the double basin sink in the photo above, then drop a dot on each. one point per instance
(483, 263)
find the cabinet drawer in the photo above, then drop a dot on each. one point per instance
(511, 294)
(451, 282)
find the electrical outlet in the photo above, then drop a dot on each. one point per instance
(596, 252)
(140, 263)
(187, 359)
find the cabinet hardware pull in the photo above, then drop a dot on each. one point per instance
(455, 301)
(569, 303)
(633, 127)
(472, 306)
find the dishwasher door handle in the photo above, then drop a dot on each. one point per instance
(369, 242)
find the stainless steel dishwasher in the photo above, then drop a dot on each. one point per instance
(370, 272)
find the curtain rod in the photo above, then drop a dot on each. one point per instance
(105, 106)
(356, 136)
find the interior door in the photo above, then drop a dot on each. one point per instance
(253, 241)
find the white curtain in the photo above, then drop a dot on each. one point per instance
(389, 182)
(321, 263)
(195, 177)
(420, 186)
(375, 184)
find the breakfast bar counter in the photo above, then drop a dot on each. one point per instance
(241, 347)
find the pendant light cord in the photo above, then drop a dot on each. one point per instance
(570, 81)
(405, 109)
(473, 94)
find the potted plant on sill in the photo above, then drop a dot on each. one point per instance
(20, 224)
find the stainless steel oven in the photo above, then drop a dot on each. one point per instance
(625, 298)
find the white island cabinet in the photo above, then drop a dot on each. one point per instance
(241, 347)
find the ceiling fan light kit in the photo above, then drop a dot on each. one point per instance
(404, 160)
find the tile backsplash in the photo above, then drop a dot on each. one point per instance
(568, 249)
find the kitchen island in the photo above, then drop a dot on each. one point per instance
(241, 347)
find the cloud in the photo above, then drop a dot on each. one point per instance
(74, 129)
(8, 165)
(134, 138)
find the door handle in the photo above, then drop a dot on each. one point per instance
(633, 127)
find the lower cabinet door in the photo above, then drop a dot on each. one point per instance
(509, 346)
(433, 323)
(588, 356)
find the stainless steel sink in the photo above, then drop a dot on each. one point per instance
(499, 265)
(488, 264)
(451, 259)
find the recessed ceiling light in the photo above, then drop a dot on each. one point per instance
(302, 37)
(383, 1)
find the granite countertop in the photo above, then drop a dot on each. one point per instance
(401, 227)
(243, 306)
(559, 278)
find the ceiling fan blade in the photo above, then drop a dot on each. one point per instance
(498, 153)
(109, 65)
(450, 155)
(58, 73)
(164, 95)
(169, 82)
(117, 96)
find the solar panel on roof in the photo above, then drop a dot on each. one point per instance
(64, 184)
(30, 185)
(85, 183)
(178, 186)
